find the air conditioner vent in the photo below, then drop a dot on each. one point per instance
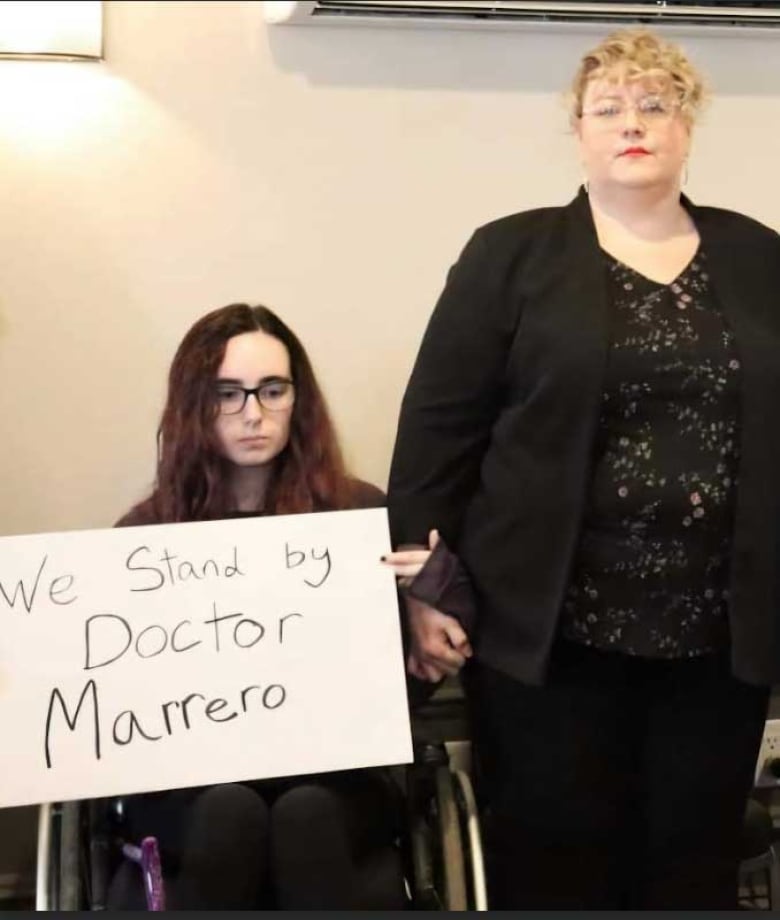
(508, 13)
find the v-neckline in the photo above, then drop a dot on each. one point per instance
(652, 281)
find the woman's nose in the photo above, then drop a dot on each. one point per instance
(632, 122)
(252, 408)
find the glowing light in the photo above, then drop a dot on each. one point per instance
(57, 106)
(64, 29)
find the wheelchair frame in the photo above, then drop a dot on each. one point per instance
(442, 845)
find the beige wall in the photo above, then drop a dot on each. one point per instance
(331, 173)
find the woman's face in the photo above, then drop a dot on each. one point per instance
(632, 134)
(254, 435)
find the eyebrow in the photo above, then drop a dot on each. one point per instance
(235, 381)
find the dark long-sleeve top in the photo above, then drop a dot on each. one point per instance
(361, 495)
(499, 423)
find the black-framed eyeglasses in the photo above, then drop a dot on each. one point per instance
(274, 395)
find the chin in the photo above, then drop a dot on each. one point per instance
(646, 181)
(254, 458)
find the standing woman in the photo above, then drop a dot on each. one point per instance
(591, 424)
(246, 432)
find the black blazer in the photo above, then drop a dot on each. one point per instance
(497, 426)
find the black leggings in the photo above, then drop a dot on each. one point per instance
(621, 783)
(324, 842)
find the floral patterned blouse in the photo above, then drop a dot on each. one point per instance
(650, 577)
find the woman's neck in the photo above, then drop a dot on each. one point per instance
(248, 486)
(651, 214)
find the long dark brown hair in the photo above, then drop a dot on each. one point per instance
(193, 482)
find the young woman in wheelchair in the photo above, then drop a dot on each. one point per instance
(245, 431)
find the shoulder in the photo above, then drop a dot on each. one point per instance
(365, 495)
(142, 513)
(514, 232)
(499, 248)
(521, 224)
(735, 225)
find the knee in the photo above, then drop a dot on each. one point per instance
(228, 816)
(303, 806)
(322, 857)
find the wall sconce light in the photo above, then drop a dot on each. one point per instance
(70, 30)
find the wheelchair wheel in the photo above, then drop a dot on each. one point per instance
(453, 878)
(44, 858)
(70, 887)
(472, 836)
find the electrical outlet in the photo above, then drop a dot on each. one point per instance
(768, 764)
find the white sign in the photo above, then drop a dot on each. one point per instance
(146, 658)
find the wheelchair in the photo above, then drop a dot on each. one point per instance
(440, 845)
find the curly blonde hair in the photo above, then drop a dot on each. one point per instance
(631, 54)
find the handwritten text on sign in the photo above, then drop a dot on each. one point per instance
(149, 658)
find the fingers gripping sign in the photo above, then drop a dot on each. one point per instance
(407, 563)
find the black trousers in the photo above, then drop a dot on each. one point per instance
(315, 842)
(621, 783)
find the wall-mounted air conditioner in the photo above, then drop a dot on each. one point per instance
(504, 14)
